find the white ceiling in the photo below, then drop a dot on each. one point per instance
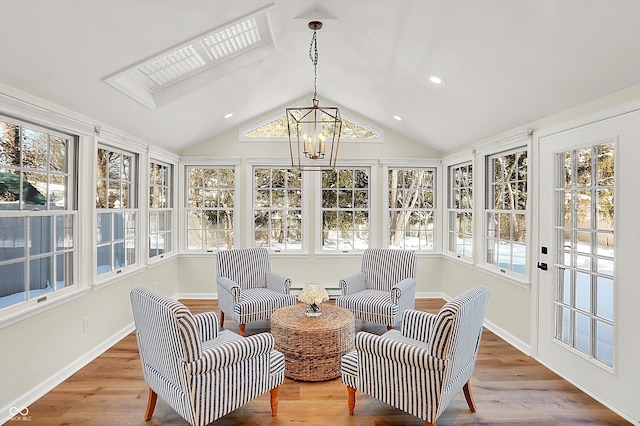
(506, 63)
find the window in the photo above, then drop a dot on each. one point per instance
(277, 128)
(584, 306)
(160, 209)
(116, 207)
(506, 212)
(345, 209)
(411, 208)
(37, 212)
(460, 209)
(277, 208)
(210, 208)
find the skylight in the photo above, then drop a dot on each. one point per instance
(167, 75)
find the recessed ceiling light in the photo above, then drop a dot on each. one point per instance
(228, 115)
(397, 117)
(436, 80)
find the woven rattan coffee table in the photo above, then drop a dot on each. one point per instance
(313, 347)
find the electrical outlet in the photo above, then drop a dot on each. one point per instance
(85, 324)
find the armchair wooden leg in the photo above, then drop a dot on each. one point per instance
(469, 397)
(274, 401)
(242, 326)
(221, 319)
(151, 404)
(429, 424)
(351, 399)
(389, 327)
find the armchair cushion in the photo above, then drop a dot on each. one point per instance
(371, 305)
(257, 304)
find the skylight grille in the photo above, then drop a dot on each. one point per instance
(232, 39)
(193, 63)
(173, 66)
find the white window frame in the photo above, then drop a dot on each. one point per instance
(197, 162)
(370, 165)
(16, 311)
(171, 208)
(136, 151)
(518, 142)
(277, 163)
(433, 210)
(302, 102)
(449, 165)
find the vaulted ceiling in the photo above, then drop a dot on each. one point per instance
(505, 63)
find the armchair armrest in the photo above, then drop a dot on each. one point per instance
(278, 283)
(417, 324)
(232, 353)
(398, 352)
(208, 325)
(231, 287)
(353, 284)
(406, 286)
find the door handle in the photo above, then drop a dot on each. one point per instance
(543, 266)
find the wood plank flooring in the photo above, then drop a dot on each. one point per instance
(509, 389)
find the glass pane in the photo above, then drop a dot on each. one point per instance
(519, 258)
(583, 333)
(9, 188)
(114, 165)
(604, 298)
(58, 158)
(130, 251)
(262, 198)
(505, 226)
(605, 206)
(153, 245)
(583, 167)
(64, 270)
(565, 287)
(604, 342)
(583, 291)
(12, 238)
(278, 198)
(227, 199)
(564, 324)
(227, 178)
(118, 255)
(294, 198)
(57, 192)
(104, 259)
(583, 209)
(345, 199)
(360, 199)
(194, 240)
(114, 195)
(101, 194)
(34, 189)
(118, 226)
(568, 210)
(40, 273)
(9, 144)
(34, 149)
(104, 227)
(194, 219)
(606, 164)
(40, 235)
(567, 163)
(153, 222)
(194, 177)
(12, 285)
(126, 167)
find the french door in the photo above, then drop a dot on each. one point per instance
(588, 228)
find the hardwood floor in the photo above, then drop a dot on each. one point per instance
(509, 389)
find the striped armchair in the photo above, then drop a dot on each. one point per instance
(384, 288)
(201, 372)
(421, 368)
(247, 289)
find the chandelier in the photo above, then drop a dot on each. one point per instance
(314, 131)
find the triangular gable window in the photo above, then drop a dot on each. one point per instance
(276, 128)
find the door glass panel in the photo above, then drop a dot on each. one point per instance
(586, 230)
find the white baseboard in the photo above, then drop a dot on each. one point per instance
(32, 395)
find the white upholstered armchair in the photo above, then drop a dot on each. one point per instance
(420, 369)
(383, 289)
(201, 372)
(247, 289)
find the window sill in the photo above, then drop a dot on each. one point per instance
(114, 276)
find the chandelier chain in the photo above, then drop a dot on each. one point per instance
(313, 55)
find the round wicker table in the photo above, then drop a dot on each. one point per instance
(313, 347)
